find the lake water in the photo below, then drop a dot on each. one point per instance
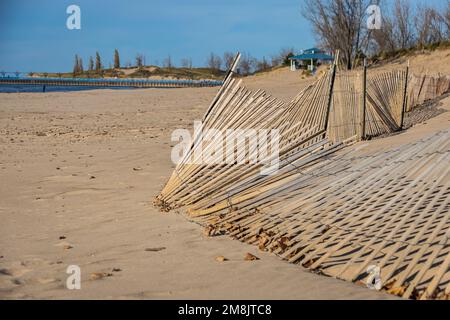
(9, 88)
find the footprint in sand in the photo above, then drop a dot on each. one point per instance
(11, 276)
(8, 284)
(155, 249)
(13, 272)
(88, 191)
(99, 275)
(45, 280)
(65, 245)
(5, 272)
(17, 274)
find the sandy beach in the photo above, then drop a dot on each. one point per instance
(79, 171)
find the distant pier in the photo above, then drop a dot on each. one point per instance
(100, 82)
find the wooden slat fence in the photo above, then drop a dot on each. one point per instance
(425, 87)
(332, 207)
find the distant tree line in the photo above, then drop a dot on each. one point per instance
(248, 63)
(342, 24)
(97, 66)
(406, 27)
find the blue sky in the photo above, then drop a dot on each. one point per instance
(34, 37)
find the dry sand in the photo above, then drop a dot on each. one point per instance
(431, 62)
(78, 173)
(83, 167)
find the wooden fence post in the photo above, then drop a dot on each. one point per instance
(363, 105)
(330, 93)
(405, 93)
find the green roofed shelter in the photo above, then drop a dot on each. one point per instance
(310, 58)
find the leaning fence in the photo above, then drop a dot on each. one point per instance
(332, 209)
(367, 105)
(426, 87)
